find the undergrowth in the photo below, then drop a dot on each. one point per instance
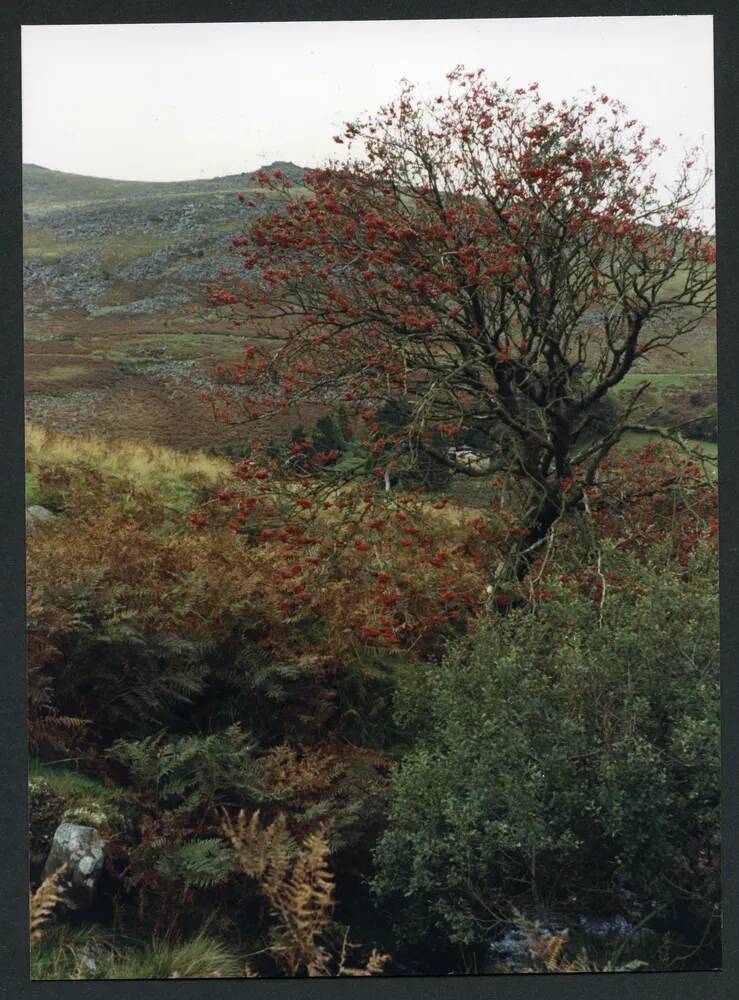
(203, 643)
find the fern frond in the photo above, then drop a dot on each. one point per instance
(42, 902)
(262, 853)
(200, 863)
(373, 967)
(308, 893)
(300, 892)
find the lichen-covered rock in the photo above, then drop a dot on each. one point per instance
(82, 850)
(511, 951)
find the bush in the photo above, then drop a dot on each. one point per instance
(567, 758)
(129, 634)
(706, 426)
(138, 619)
(180, 787)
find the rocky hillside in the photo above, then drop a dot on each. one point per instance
(112, 270)
(126, 247)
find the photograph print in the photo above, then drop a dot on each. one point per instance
(371, 498)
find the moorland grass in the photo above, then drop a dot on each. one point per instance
(94, 952)
(69, 783)
(143, 465)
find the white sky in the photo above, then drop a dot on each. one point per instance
(181, 101)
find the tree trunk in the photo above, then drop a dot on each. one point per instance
(537, 526)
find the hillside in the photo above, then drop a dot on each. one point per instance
(43, 187)
(110, 269)
(116, 339)
(126, 247)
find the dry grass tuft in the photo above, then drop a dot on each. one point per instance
(144, 464)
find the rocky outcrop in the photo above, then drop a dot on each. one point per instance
(80, 852)
(130, 249)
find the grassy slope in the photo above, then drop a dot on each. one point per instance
(175, 476)
(76, 224)
(44, 188)
(79, 200)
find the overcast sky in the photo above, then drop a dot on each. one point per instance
(181, 101)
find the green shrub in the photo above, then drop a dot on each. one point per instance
(563, 759)
(198, 863)
(189, 773)
(706, 426)
(116, 667)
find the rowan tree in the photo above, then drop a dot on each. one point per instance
(495, 262)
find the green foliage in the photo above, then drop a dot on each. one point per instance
(65, 952)
(332, 431)
(394, 417)
(198, 863)
(247, 684)
(706, 427)
(113, 662)
(180, 787)
(602, 418)
(202, 957)
(31, 489)
(191, 773)
(558, 753)
(281, 699)
(92, 952)
(563, 756)
(70, 785)
(332, 786)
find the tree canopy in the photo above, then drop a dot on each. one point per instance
(497, 262)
